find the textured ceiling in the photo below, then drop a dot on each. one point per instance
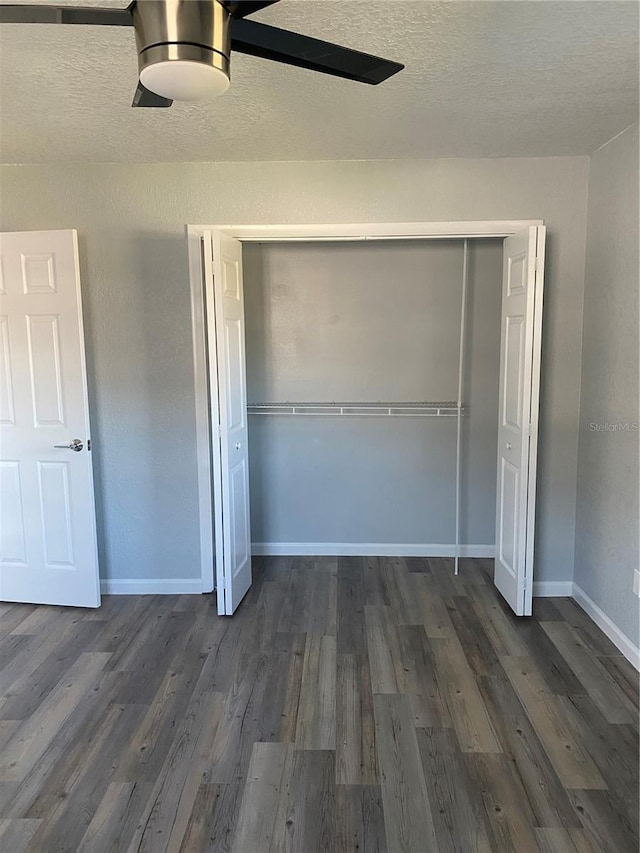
(482, 79)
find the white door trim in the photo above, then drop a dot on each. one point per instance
(285, 234)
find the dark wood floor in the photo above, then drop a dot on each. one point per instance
(352, 704)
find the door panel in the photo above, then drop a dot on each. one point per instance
(225, 324)
(13, 546)
(512, 389)
(43, 335)
(7, 410)
(48, 537)
(518, 416)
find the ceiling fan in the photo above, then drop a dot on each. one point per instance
(184, 46)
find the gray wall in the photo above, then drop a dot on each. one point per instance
(608, 477)
(370, 322)
(136, 296)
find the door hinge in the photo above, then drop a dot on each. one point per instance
(88, 444)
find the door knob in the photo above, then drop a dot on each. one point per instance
(76, 445)
(509, 445)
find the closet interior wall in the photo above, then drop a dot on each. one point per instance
(366, 322)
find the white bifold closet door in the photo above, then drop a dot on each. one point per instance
(521, 329)
(228, 398)
(520, 340)
(48, 552)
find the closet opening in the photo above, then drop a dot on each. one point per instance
(358, 392)
(357, 442)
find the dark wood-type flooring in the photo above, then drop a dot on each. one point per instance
(352, 704)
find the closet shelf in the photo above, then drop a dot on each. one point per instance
(411, 409)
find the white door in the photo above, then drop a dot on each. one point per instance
(521, 330)
(228, 392)
(47, 520)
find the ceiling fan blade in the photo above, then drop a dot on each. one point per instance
(242, 8)
(294, 49)
(145, 98)
(22, 14)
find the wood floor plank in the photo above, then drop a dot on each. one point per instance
(40, 619)
(151, 619)
(613, 748)
(152, 740)
(441, 570)
(37, 793)
(373, 586)
(213, 819)
(105, 829)
(278, 715)
(466, 706)
(316, 724)
(356, 757)
(407, 811)
(32, 738)
(268, 610)
(297, 603)
(527, 637)
(430, 602)
(479, 651)
(385, 660)
(223, 648)
(600, 686)
(305, 820)
(16, 670)
(606, 828)
(359, 820)
(16, 835)
(418, 565)
(497, 624)
(110, 607)
(28, 693)
(508, 812)
(587, 629)
(572, 763)
(236, 732)
(69, 815)
(626, 677)
(7, 730)
(270, 769)
(522, 747)
(12, 646)
(166, 815)
(351, 632)
(559, 840)
(323, 604)
(544, 610)
(428, 702)
(400, 589)
(140, 684)
(455, 803)
(14, 615)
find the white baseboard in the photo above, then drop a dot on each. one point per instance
(365, 549)
(552, 589)
(150, 586)
(620, 640)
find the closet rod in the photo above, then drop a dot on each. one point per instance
(425, 408)
(463, 317)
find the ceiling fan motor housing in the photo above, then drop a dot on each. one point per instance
(194, 35)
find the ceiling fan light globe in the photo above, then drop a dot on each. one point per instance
(184, 79)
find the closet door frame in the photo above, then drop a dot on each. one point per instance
(286, 234)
